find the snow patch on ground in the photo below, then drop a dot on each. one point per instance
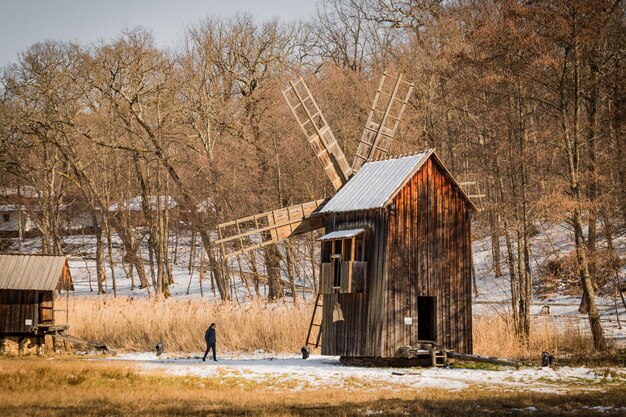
(280, 371)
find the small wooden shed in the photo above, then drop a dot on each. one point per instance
(27, 294)
(396, 261)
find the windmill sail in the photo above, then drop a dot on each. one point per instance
(254, 232)
(317, 132)
(474, 193)
(392, 96)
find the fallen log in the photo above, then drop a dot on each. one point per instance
(483, 359)
(98, 346)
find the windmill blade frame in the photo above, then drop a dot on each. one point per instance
(318, 132)
(383, 119)
(257, 231)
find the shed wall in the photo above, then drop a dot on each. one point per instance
(16, 306)
(360, 333)
(429, 255)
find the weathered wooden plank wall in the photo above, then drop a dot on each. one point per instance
(429, 255)
(16, 306)
(360, 335)
(420, 247)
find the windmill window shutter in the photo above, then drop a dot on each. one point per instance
(343, 267)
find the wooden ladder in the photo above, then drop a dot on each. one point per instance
(439, 358)
(316, 322)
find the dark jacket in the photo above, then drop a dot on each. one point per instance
(209, 336)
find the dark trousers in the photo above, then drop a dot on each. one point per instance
(209, 346)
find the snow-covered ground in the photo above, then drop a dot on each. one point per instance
(288, 371)
(281, 372)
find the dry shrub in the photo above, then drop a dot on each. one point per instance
(495, 336)
(137, 325)
(559, 275)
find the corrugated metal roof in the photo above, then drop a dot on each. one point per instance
(33, 272)
(375, 183)
(342, 234)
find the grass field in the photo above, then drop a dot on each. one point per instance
(78, 387)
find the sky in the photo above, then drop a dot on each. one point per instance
(25, 22)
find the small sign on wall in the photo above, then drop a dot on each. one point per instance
(28, 322)
(408, 321)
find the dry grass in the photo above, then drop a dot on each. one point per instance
(73, 387)
(494, 336)
(137, 325)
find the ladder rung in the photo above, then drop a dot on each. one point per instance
(404, 100)
(381, 132)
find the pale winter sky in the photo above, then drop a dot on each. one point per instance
(24, 22)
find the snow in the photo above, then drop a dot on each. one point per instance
(280, 371)
(135, 203)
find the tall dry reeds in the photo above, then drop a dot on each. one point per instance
(495, 336)
(137, 325)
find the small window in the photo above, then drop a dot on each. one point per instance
(6, 217)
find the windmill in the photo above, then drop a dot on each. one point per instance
(257, 231)
(395, 259)
(260, 230)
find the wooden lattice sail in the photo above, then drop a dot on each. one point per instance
(318, 133)
(473, 191)
(392, 96)
(260, 230)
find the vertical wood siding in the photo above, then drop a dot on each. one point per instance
(360, 334)
(18, 305)
(429, 255)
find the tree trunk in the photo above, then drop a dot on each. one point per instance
(272, 264)
(495, 243)
(111, 260)
(100, 275)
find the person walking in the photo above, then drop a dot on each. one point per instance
(209, 338)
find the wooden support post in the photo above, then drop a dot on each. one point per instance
(39, 337)
(1, 345)
(20, 345)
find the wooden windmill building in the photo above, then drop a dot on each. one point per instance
(396, 256)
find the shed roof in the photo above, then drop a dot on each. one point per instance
(342, 234)
(377, 183)
(34, 272)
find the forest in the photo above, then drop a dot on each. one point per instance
(525, 98)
